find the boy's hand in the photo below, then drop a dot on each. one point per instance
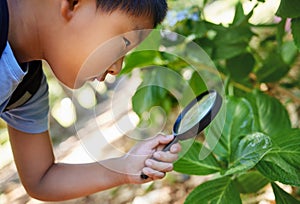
(148, 158)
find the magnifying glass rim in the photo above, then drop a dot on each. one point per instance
(204, 122)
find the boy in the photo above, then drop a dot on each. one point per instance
(65, 33)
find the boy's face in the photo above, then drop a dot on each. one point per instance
(93, 44)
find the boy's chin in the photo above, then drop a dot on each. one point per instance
(72, 85)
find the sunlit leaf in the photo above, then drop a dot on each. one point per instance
(282, 163)
(218, 191)
(270, 114)
(147, 97)
(197, 83)
(140, 59)
(239, 121)
(249, 151)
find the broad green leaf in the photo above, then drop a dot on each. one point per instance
(227, 51)
(270, 115)
(147, 97)
(231, 42)
(250, 182)
(289, 9)
(197, 83)
(296, 31)
(233, 35)
(282, 197)
(282, 163)
(140, 59)
(240, 66)
(218, 191)
(249, 151)
(273, 69)
(239, 121)
(189, 163)
(152, 91)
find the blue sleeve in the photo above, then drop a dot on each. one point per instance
(32, 117)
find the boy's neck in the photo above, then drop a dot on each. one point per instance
(24, 29)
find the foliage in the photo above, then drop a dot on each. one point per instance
(258, 144)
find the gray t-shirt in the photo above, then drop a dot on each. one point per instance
(31, 117)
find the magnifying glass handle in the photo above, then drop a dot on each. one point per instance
(165, 149)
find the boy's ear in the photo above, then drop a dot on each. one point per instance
(68, 7)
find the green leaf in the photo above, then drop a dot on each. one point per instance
(289, 9)
(250, 182)
(273, 69)
(282, 197)
(197, 83)
(282, 163)
(226, 51)
(240, 66)
(249, 151)
(233, 35)
(140, 59)
(152, 41)
(154, 89)
(218, 191)
(240, 17)
(296, 31)
(270, 115)
(147, 97)
(289, 52)
(189, 163)
(239, 121)
(239, 14)
(231, 42)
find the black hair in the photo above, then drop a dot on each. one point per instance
(156, 9)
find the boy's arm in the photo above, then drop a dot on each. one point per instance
(46, 180)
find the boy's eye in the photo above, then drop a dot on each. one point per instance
(126, 41)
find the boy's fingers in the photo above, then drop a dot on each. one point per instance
(160, 139)
(176, 148)
(153, 174)
(159, 166)
(165, 156)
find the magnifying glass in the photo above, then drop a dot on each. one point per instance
(196, 116)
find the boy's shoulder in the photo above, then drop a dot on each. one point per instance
(32, 80)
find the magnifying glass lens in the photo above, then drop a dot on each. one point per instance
(196, 112)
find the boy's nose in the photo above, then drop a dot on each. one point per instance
(116, 67)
